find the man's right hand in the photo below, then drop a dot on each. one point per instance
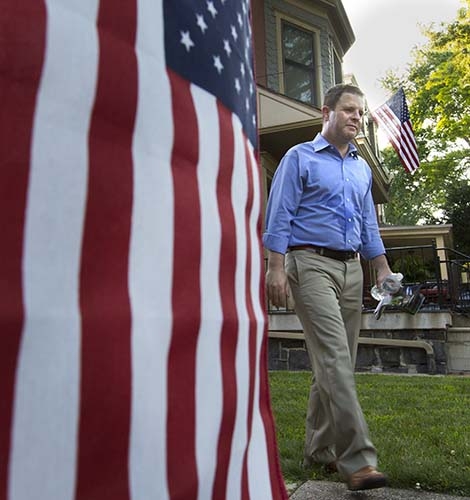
(277, 285)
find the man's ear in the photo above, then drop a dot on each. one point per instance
(325, 111)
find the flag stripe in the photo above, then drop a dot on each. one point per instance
(394, 117)
(229, 333)
(23, 40)
(265, 479)
(48, 368)
(239, 192)
(208, 375)
(151, 260)
(402, 137)
(409, 139)
(134, 329)
(396, 136)
(105, 382)
(186, 300)
(265, 422)
(278, 491)
(252, 320)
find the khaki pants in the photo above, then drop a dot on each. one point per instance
(328, 302)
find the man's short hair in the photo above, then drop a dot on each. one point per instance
(333, 94)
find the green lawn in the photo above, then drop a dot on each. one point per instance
(420, 426)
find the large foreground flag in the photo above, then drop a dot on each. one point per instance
(132, 323)
(394, 118)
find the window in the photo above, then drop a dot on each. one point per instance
(338, 69)
(298, 52)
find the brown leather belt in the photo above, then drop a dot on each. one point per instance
(327, 252)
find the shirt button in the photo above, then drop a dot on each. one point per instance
(349, 220)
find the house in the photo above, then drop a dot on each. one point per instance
(299, 48)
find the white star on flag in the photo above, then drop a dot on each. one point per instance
(211, 8)
(234, 33)
(227, 48)
(186, 40)
(218, 64)
(201, 23)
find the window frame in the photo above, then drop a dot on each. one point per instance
(337, 66)
(316, 77)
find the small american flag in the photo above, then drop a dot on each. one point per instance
(132, 315)
(394, 118)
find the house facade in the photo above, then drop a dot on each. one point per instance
(299, 48)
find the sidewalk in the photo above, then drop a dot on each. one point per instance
(327, 490)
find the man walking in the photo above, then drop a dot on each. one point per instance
(320, 217)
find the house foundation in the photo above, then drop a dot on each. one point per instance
(434, 342)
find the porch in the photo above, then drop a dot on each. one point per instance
(435, 340)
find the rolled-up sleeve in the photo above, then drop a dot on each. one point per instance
(284, 197)
(372, 244)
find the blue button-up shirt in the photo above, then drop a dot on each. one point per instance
(319, 198)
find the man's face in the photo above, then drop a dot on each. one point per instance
(344, 122)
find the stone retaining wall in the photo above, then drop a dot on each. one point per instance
(396, 343)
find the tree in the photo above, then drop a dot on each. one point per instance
(441, 81)
(457, 212)
(437, 86)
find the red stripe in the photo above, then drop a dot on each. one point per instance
(252, 322)
(186, 297)
(277, 481)
(22, 42)
(104, 300)
(229, 332)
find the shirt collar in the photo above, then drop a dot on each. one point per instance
(320, 143)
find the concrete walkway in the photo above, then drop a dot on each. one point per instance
(327, 490)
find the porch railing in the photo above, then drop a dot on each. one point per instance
(442, 275)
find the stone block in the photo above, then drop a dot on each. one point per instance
(277, 358)
(365, 357)
(439, 352)
(404, 335)
(299, 360)
(389, 357)
(412, 356)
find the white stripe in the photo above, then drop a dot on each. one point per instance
(239, 200)
(47, 391)
(209, 394)
(258, 462)
(151, 260)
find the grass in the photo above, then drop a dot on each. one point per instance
(420, 426)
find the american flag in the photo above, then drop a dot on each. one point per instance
(394, 117)
(132, 316)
